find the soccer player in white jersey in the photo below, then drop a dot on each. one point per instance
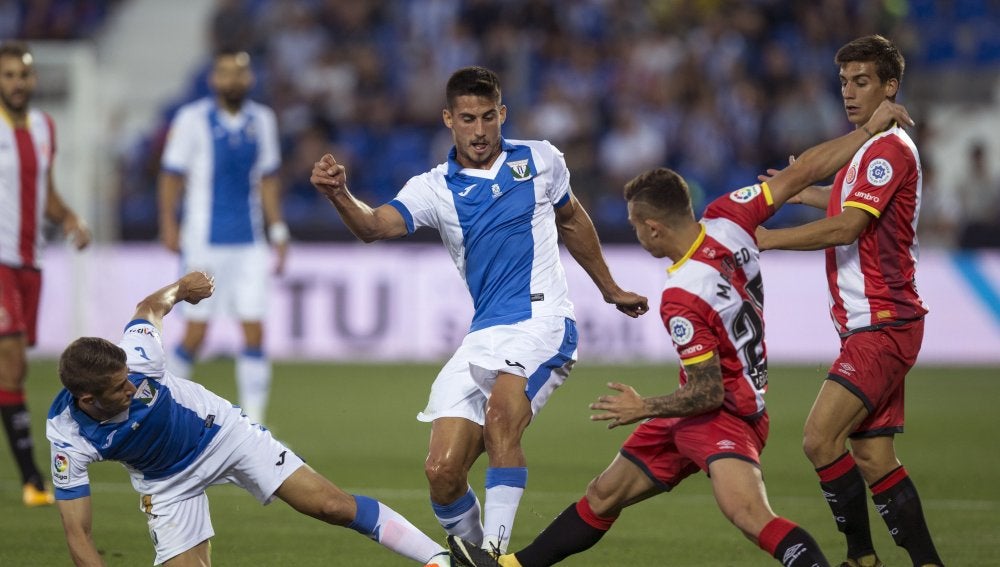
(500, 205)
(27, 198)
(222, 153)
(869, 235)
(716, 421)
(176, 439)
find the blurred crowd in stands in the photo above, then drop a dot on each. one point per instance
(718, 89)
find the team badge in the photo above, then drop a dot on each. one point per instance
(495, 188)
(879, 172)
(746, 194)
(852, 174)
(60, 468)
(520, 169)
(146, 392)
(681, 330)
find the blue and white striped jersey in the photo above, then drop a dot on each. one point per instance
(499, 227)
(223, 158)
(171, 422)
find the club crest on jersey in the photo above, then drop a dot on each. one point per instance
(60, 468)
(879, 172)
(681, 330)
(852, 174)
(495, 188)
(520, 169)
(746, 194)
(146, 392)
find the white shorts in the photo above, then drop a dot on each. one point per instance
(241, 274)
(542, 349)
(176, 507)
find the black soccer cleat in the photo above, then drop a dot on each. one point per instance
(468, 555)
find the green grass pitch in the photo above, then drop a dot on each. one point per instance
(356, 425)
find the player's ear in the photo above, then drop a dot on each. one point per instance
(447, 118)
(503, 113)
(891, 88)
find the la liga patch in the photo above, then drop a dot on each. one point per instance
(746, 194)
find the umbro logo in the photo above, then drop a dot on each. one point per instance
(726, 445)
(793, 553)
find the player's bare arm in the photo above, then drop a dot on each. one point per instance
(366, 223)
(838, 230)
(577, 232)
(57, 211)
(823, 160)
(703, 392)
(76, 520)
(816, 196)
(170, 186)
(193, 287)
(277, 230)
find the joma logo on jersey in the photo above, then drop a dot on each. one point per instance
(520, 169)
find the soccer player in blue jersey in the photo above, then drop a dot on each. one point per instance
(176, 439)
(500, 206)
(222, 154)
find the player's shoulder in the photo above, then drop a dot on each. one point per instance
(544, 148)
(433, 178)
(61, 404)
(894, 144)
(196, 109)
(258, 108)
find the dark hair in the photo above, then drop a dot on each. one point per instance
(229, 52)
(14, 49)
(474, 81)
(889, 63)
(663, 190)
(88, 363)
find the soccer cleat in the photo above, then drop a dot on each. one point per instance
(866, 561)
(466, 554)
(442, 559)
(33, 497)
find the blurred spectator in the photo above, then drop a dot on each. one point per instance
(979, 195)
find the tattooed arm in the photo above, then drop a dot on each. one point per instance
(703, 392)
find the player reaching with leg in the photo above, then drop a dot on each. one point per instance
(176, 439)
(716, 422)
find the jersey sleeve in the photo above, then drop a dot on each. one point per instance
(690, 332)
(559, 190)
(180, 146)
(747, 207)
(269, 157)
(71, 457)
(143, 349)
(885, 170)
(416, 202)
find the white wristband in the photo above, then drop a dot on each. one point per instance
(278, 233)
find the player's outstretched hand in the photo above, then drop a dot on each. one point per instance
(196, 286)
(629, 303)
(627, 407)
(885, 115)
(328, 176)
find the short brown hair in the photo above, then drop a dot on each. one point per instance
(663, 190)
(14, 48)
(889, 63)
(88, 363)
(473, 81)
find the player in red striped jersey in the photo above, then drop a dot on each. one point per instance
(27, 146)
(869, 235)
(716, 421)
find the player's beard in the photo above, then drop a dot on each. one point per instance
(16, 107)
(233, 99)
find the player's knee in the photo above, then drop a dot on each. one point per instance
(444, 474)
(604, 498)
(819, 448)
(13, 367)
